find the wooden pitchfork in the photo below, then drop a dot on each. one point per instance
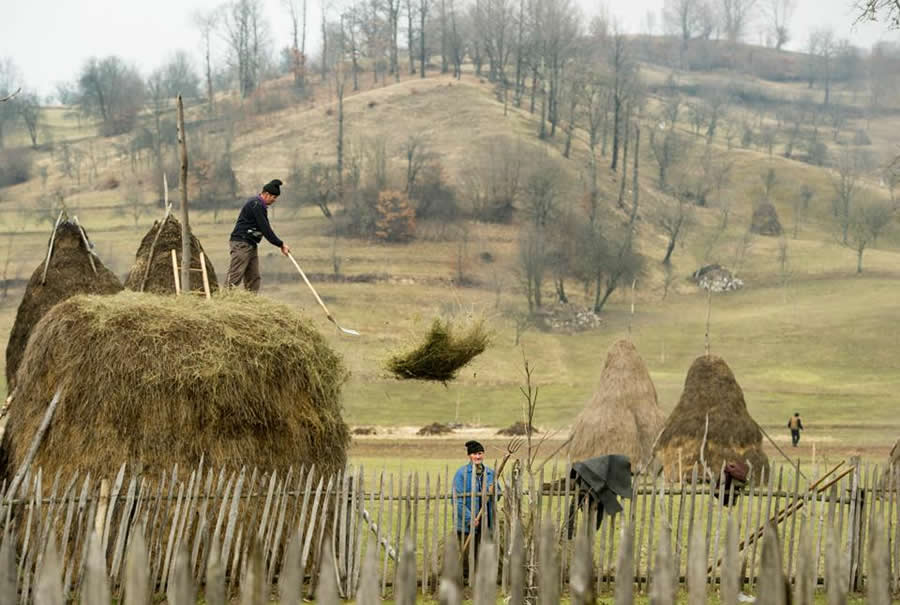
(511, 448)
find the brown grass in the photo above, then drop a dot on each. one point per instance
(623, 416)
(154, 381)
(69, 273)
(710, 388)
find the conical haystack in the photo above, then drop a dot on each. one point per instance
(153, 381)
(733, 436)
(623, 416)
(161, 279)
(68, 273)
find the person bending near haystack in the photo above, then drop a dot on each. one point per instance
(478, 478)
(251, 226)
(796, 425)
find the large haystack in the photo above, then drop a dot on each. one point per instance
(68, 274)
(623, 416)
(733, 436)
(154, 381)
(161, 279)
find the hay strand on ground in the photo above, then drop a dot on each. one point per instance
(152, 380)
(623, 416)
(159, 279)
(443, 353)
(68, 273)
(733, 436)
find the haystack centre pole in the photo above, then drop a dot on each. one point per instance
(185, 227)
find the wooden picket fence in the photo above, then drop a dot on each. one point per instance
(257, 534)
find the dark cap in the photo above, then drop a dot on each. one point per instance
(473, 447)
(273, 187)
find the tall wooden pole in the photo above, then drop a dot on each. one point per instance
(185, 226)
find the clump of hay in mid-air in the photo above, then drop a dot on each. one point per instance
(518, 428)
(69, 273)
(733, 436)
(623, 416)
(435, 428)
(444, 352)
(161, 279)
(153, 381)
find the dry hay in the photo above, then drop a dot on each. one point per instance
(443, 354)
(711, 388)
(154, 381)
(518, 428)
(161, 279)
(623, 417)
(68, 274)
(765, 220)
(435, 428)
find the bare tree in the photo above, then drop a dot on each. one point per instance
(10, 88)
(28, 107)
(879, 10)
(297, 13)
(417, 155)
(206, 22)
(624, 76)
(684, 18)
(423, 14)
(800, 206)
(867, 222)
(242, 26)
(845, 181)
(737, 16)
(674, 220)
(532, 265)
(822, 50)
(542, 193)
(112, 91)
(669, 147)
(778, 16)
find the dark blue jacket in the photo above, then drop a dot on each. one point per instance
(253, 224)
(467, 507)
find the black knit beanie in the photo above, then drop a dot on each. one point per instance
(273, 187)
(473, 447)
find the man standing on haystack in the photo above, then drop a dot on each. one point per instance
(251, 226)
(796, 425)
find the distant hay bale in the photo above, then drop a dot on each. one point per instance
(710, 388)
(69, 273)
(435, 428)
(623, 417)
(153, 381)
(518, 429)
(161, 279)
(765, 220)
(443, 353)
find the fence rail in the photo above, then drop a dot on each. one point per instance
(366, 535)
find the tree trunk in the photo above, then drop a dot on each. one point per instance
(617, 108)
(670, 248)
(534, 76)
(409, 41)
(635, 193)
(561, 290)
(622, 182)
(185, 225)
(859, 257)
(445, 65)
(324, 44)
(422, 15)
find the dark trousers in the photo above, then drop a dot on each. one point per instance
(795, 437)
(244, 266)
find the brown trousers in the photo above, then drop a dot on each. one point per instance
(244, 266)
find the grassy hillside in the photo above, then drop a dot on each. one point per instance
(814, 338)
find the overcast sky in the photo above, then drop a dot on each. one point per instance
(50, 39)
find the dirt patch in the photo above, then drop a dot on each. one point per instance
(518, 429)
(435, 428)
(364, 430)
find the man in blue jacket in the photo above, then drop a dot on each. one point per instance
(251, 226)
(476, 477)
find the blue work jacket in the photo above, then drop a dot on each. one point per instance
(467, 507)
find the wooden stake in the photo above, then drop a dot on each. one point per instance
(35, 443)
(87, 244)
(708, 307)
(185, 226)
(205, 276)
(175, 272)
(50, 247)
(631, 317)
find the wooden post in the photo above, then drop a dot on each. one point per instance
(33, 448)
(50, 246)
(175, 272)
(185, 226)
(205, 276)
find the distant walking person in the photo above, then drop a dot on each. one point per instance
(796, 425)
(251, 226)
